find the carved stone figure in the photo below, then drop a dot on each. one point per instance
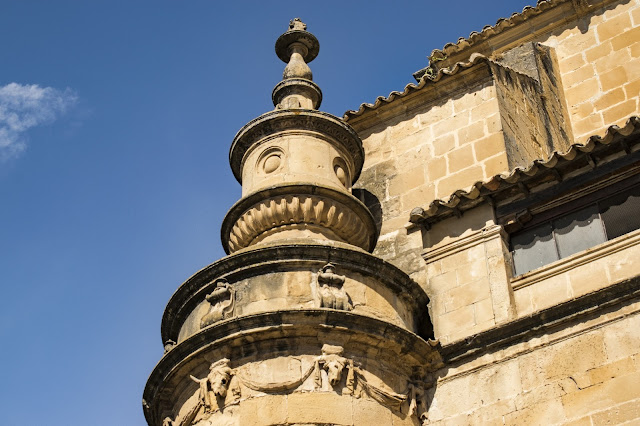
(216, 383)
(168, 345)
(333, 363)
(210, 396)
(416, 395)
(297, 24)
(222, 300)
(332, 295)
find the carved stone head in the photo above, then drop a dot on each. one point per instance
(329, 268)
(334, 362)
(334, 369)
(219, 377)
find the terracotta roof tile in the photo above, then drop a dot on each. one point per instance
(453, 48)
(501, 25)
(412, 87)
(466, 198)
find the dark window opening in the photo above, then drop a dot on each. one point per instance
(573, 232)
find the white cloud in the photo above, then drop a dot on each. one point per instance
(25, 106)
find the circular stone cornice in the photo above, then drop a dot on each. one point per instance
(301, 203)
(297, 36)
(264, 260)
(238, 337)
(299, 119)
(292, 86)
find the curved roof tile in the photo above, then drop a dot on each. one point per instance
(411, 87)
(474, 191)
(462, 44)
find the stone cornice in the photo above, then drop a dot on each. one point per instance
(299, 203)
(300, 119)
(542, 322)
(265, 259)
(447, 81)
(517, 28)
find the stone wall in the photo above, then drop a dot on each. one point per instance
(585, 373)
(426, 153)
(469, 126)
(479, 122)
(599, 61)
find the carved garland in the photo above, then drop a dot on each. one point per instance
(211, 395)
(298, 209)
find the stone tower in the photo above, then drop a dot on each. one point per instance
(300, 323)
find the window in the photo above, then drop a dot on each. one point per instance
(562, 234)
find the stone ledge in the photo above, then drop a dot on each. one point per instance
(345, 200)
(463, 243)
(542, 321)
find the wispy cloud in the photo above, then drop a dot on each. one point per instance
(25, 106)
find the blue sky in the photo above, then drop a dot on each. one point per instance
(115, 122)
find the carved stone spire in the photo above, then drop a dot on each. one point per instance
(297, 47)
(297, 164)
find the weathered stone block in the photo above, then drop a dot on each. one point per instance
(614, 26)
(619, 414)
(320, 407)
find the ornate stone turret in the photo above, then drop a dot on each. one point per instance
(300, 324)
(296, 165)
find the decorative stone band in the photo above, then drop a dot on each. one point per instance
(277, 209)
(261, 337)
(278, 121)
(300, 86)
(248, 264)
(211, 395)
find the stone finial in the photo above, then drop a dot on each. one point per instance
(297, 47)
(297, 24)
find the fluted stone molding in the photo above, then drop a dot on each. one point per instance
(311, 211)
(297, 209)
